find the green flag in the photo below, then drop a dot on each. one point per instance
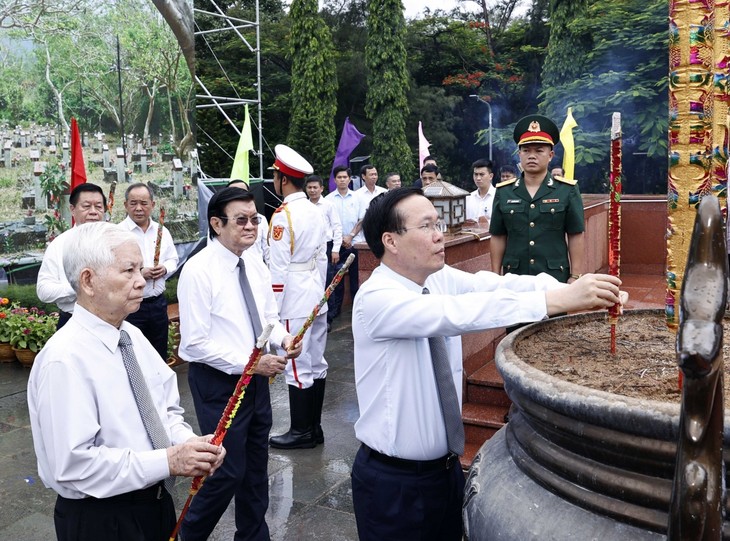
(240, 162)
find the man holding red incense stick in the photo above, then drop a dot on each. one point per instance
(406, 479)
(108, 429)
(151, 318)
(218, 333)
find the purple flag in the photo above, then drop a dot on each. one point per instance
(349, 140)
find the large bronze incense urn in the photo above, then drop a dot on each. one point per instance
(578, 463)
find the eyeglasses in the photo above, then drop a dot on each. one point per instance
(242, 221)
(439, 226)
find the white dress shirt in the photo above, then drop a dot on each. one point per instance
(348, 208)
(88, 435)
(400, 414)
(333, 229)
(147, 240)
(52, 284)
(364, 197)
(215, 327)
(477, 206)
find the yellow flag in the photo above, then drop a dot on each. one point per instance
(240, 162)
(566, 137)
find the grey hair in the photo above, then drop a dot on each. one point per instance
(92, 246)
(139, 185)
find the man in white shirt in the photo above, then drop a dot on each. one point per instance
(365, 194)
(151, 318)
(87, 203)
(348, 207)
(405, 467)
(333, 232)
(92, 435)
(217, 337)
(297, 240)
(479, 202)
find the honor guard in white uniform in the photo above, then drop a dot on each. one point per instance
(296, 240)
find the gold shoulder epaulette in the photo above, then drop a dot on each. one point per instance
(565, 180)
(506, 182)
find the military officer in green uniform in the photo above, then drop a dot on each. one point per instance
(535, 212)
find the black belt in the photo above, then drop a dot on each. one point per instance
(417, 466)
(150, 494)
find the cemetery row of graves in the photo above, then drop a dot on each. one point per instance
(34, 178)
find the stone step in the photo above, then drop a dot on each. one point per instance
(485, 386)
(481, 421)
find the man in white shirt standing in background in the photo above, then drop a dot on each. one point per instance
(151, 318)
(333, 232)
(88, 204)
(479, 202)
(348, 207)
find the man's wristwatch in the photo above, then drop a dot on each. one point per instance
(575, 276)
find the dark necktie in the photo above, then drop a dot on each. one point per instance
(250, 301)
(449, 400)
(150, 417)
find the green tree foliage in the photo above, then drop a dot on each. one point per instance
(570, 43)
(625, 71)
(387, 103)
(313, 86)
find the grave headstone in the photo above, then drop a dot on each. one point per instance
(177, 177)
(8, 154)
(99, 137)
(105, 156)
(23, 139)
(65, 152)
(143, 161)
(194, 166)
(35, 154)
(121, 172)
(40, 201)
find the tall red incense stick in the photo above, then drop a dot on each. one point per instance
(227, 418)
(614, 219)
(110, 200)
(158, 242)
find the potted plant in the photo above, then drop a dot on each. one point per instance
(6, 352)
(30, 330)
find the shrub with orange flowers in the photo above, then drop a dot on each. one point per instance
(5, 315)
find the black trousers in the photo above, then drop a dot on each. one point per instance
(334, 305)
(244, 473)
(152, 320)
(395, 504)
(138, 515)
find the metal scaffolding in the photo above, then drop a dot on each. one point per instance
(204, 99)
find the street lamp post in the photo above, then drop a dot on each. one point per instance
(489, 106)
